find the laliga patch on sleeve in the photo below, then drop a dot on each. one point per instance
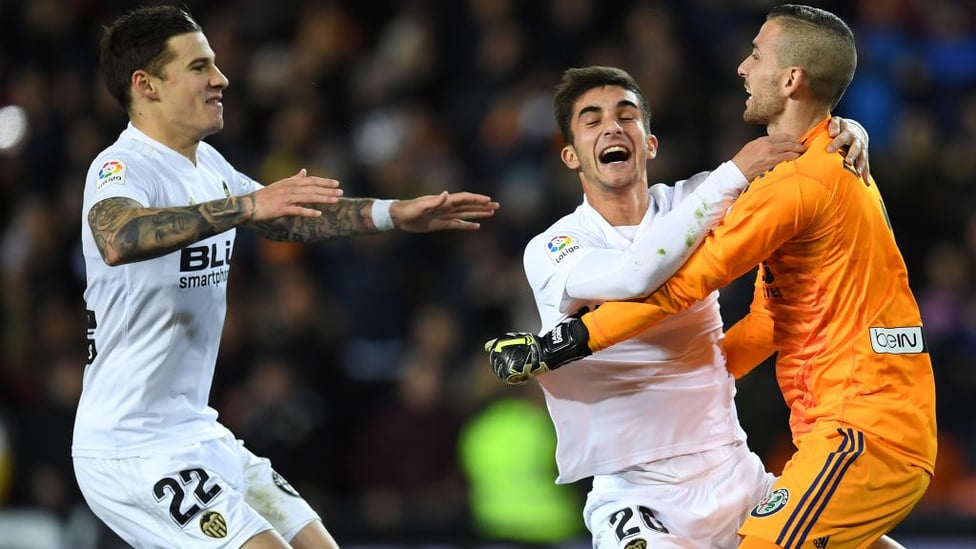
(561, 246)
(112, 172)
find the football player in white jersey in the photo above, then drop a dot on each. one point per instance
(161, 208)
(651, 419)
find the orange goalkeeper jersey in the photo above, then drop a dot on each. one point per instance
(832, 298)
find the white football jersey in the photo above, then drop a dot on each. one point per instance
(154, 326)
(661, 394)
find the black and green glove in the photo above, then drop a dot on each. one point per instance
(516, 356)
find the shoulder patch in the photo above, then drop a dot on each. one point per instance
(559, 247)
(112, 172)
(772, 503)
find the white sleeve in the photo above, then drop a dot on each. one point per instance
(245, 184)
(548, 259)
(120, 173)
(660, 249)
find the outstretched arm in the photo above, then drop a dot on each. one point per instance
(361, 216)
(126, 232)
(658, 251)
(300, 208)
(738, 244)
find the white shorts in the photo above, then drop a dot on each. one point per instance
(214, 493)
(692, 501)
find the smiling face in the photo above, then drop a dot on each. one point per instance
(185, 99)
(610, 145)
(764, 77)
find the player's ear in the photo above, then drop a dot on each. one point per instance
(568, 156)
(792, 79)
(651, 145)
(142, 85)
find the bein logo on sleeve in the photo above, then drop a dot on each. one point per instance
(898, 341)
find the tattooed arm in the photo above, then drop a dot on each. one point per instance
(125, 231)
(287, 210)
(348, 217)
(354, 217)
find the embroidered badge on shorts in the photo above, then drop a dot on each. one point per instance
(213, 525)
(561, 246)
(772, 503)
(638, 543)
(112, 172)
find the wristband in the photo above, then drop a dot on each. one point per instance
(380, 213)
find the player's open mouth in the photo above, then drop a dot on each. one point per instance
(614, 153)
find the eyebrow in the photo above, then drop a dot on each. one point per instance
(623, 103)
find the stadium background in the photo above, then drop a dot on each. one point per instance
(356, 366)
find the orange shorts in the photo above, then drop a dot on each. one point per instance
(841, 488)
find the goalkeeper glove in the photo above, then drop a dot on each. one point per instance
(516, 356)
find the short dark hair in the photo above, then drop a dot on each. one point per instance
(138, 40)
(577, 81)
(821, 44)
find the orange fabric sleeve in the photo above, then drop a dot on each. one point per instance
(764, 216)
(750, 341)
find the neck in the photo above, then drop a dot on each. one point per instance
(186, 146)
(797, 118)
(620, 207)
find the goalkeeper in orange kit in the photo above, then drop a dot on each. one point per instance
(831, 298)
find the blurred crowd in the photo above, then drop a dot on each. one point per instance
(356, 366)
